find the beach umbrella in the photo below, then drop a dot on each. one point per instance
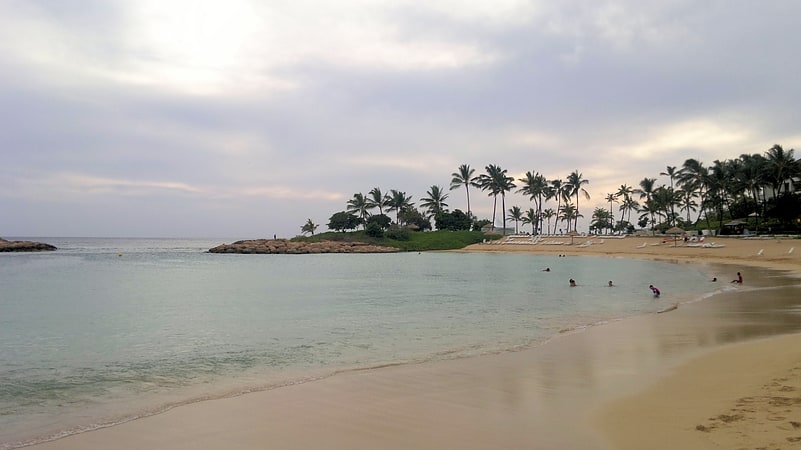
(572, 234)
(674, 231)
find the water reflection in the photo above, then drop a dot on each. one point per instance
(565, 381)
(613, 360)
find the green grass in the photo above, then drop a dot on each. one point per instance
(418, 242)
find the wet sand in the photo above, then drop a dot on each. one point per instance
(720, 373)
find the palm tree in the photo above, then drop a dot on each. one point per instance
(601, 219)
(752, 178)
(575, 181)
(646, 190)
(781, 166)
(359, 205)
(693, 177)
(561, 193)
(497, 183)
(569, 214)
(548, 214)
(516, 214)
(663, 198)
(505, 184)
(377, 200)
(309, 227)
(398, 201)
(611, 198)
(485, 183)
(536, 187)
(435, 202)
(648, 210)
(624, 191)
(628, 206)
(464, 177)
(530, 217)
(670, 171)
(719, 187)
(687, 202)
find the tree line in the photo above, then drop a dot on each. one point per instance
(758, 186)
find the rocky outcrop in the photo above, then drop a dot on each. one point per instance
(24, 246)
(283, 246)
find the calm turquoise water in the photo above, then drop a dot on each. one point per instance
(106, 330)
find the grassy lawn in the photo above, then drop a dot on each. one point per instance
(417, 242)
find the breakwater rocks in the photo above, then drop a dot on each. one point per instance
(24, 246)
(283, 246)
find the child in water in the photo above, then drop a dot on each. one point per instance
(655, 290)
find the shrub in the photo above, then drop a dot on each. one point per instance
(374, 229)
(397, 233)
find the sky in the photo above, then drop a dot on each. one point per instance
(244, 119)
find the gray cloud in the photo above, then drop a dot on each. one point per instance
(244, 119)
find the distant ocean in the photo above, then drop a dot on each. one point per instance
(103, 331)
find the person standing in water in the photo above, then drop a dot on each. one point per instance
(572, 283)
(655, 290)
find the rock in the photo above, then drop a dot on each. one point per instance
(24, 246)
(283, 246)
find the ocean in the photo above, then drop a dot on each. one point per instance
(104, 331)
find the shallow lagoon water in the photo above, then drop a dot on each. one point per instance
(105, 330)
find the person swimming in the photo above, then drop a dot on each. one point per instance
(572, 283)
(655, 290)
(611, 284)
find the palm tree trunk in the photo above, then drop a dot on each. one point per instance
(755, 194)
(672, 211)
(701, 208)
(467, 192)
(494, 207)
(575, 223)
(503, 208)
(558, 206)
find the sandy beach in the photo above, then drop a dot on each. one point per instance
(721, 373)
(745, 394)
(777, 252)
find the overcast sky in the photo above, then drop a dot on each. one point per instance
(243, 119)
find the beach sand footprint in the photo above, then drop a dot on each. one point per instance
(750, 420)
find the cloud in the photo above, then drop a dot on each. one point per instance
(239, 47)
(279, 111)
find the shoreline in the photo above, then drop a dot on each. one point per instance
(544, 397)
(735, 395)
